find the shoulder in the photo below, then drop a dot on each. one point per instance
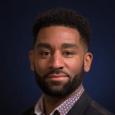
(86, 106)
(96, 109)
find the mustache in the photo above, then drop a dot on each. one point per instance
(56, 71)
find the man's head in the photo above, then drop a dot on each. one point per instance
(63, 17)
(60, 56)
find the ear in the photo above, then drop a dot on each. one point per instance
(31, 59)
(88, 61)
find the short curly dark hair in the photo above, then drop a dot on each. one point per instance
(64, 17)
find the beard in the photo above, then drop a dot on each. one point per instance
(54, 91)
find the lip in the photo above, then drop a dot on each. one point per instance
(57, 77)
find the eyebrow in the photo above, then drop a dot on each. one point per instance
(43, 45)
(69, 45)
(64, 45)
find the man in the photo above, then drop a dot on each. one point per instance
(59, 58)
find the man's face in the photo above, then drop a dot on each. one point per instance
(59, 60)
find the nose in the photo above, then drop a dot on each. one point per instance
(57, 61)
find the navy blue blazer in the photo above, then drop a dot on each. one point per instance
(84, 106)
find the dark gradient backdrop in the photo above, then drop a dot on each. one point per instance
(18, 90)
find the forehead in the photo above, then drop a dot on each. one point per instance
(57, 35)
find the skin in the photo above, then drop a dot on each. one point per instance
(59, 47)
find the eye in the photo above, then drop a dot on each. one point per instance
(68, 54)
(44, 54)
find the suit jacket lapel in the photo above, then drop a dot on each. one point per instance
(81, 105)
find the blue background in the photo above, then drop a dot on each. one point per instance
(18, 89)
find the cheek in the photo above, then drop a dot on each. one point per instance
(74, 66)
(41, 66)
